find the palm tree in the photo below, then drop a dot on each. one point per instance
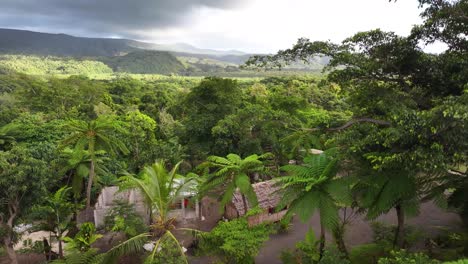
(161, 189)
(313, 186)
(232, 173)
(92, 136)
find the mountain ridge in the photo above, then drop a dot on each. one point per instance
(59, 44)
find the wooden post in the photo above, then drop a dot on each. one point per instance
(197, 209)
(183, 208)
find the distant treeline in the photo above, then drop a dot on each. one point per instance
(139, 62)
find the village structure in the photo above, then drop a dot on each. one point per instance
(189, 211)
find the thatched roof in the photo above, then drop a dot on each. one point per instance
(267, 196)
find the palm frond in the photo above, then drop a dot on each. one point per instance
(133, 245)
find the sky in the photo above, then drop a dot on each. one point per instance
(259, 26)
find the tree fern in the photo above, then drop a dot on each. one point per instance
(231, 173)
(313, 187)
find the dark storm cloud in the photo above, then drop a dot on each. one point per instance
(126, 18)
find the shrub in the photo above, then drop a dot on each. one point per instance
(366, 254)
(83, 239)
(30, 247)
(333, 256)
(123, 218)
(284, 225)
(385, 234)
(234, 241)
(461, 261)
(404, 257)
(307, 252)
(169, 254)
(449, 246)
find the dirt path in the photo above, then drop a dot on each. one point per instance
(429, 220)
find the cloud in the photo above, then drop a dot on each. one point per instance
(119, 18)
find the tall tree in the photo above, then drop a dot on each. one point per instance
(203, 107)
(92, 136)
(23, 183)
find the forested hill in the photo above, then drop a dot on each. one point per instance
(14, 41)
(34, 43)
(145, 62)
(138, 62)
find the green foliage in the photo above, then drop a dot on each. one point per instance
(36, 65)
(141, 129)
(404, 257)
(306, 251)
(384, 235)
(333, 256)
(233, 173)
(398, 116)
(92, 137)
(144, 62)
(204, 106)
(254, 211)
(449, 245)
(414, 131)
(90, 257)
(28, 247)
(234, 241)
(284, 225)
(366, 254)
(24, 180)
(133, 245)
(84, 239)
(123, 218)
(313, 186)
(169, 254)
(160, 187)
(461, 261)
(55, 215)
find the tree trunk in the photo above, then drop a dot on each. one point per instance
(322, 240)
(244, 200)
(47, 249)
(50, 250)
(90, 185)
(7, 240)
(338, 234)
(60, 249)
(399, 234)
(10, 251)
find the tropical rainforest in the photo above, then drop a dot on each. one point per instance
(381, 130)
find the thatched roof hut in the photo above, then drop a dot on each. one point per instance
(267, 195)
